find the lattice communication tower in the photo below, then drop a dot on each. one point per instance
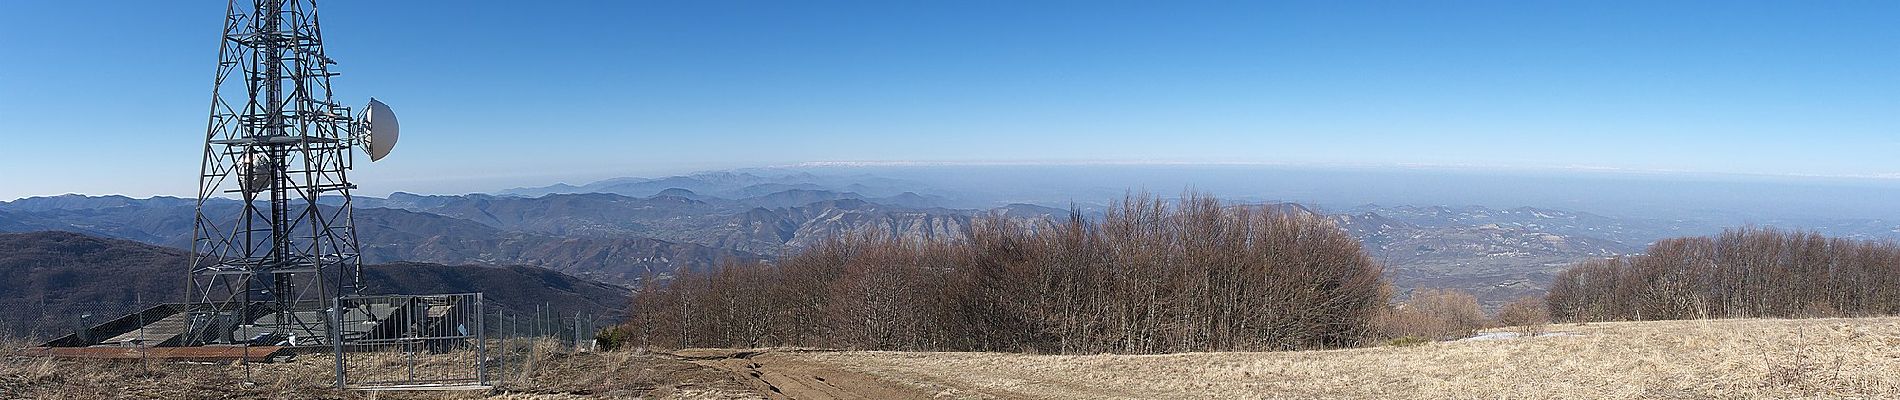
(265, 267)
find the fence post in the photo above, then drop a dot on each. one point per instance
(481, 342)
(336, 337)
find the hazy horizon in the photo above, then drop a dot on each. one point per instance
(1731, 198)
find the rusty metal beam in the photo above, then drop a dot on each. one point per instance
(197, 353)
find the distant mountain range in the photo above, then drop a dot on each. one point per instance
(770, 224)
(57, 281)
(733, 185)
(623, 230)
(386, 235)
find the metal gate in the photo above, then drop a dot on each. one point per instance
(410, 341)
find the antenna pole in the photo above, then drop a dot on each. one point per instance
(267, 265)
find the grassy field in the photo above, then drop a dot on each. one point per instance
(1813, 358)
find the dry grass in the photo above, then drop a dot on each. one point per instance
(50, 378)
(1815, 358)
(544, 367)
(541, 372)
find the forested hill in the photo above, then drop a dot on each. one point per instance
(57, 280)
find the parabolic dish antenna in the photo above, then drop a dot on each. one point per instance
(254, 172)
(379, 130)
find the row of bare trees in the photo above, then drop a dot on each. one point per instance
(1153, 276)
(1739, 273)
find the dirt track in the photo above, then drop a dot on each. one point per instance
(780, 374)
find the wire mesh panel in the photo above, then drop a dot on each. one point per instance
(523, 343)
(76, 323)
(398, 341)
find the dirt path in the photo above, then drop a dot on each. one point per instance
(780, 375)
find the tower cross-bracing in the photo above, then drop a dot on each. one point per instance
(265, 266)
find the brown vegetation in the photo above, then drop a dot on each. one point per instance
(541, 371)
(1739, 273)
(1701, 359)
(1528, 316)
(1432, 314)
(782, 374)
(1149, 278)
(1745, 358)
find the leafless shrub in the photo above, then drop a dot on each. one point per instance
(1528, 316)
(1435, 314)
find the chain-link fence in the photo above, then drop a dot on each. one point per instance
(388, 341)
(38, 322)
(394, 341)
(525, 340)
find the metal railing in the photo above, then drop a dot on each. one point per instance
(410, 341)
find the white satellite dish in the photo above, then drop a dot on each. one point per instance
(378, 129)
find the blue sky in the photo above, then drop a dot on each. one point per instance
(112, 98)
